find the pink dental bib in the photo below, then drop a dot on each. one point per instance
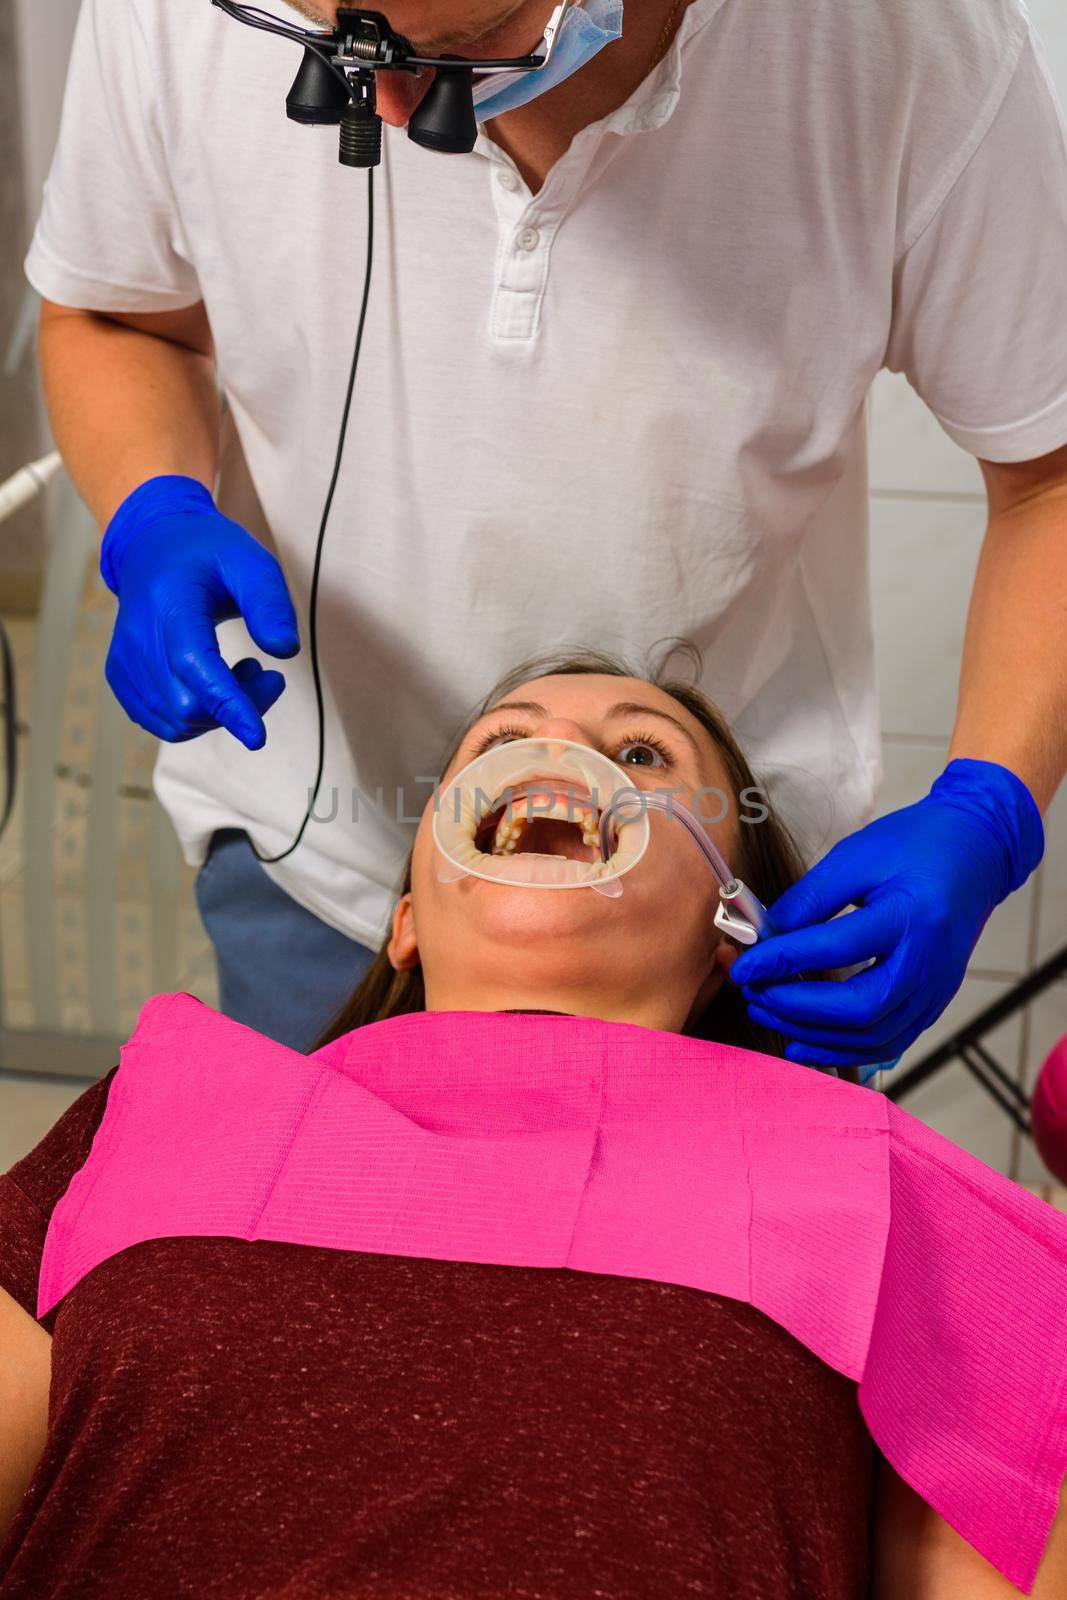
(939, 1286)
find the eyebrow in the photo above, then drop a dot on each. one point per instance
(623, 708)
(636, 708)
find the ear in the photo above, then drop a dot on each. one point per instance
(723, 958)
(726, 953)
(403, 949)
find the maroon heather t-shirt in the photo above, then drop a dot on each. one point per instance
(231, 1420)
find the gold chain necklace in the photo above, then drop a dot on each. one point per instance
(665, 37)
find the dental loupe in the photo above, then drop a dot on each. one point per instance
(336, 82)
(490, 820)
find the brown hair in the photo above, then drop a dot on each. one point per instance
(767, 858)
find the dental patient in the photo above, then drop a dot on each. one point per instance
(543, 1275)
(651, 957)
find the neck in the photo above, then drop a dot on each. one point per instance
(665, 1008)
(536, 135)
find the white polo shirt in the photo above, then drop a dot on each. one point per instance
(628, 407)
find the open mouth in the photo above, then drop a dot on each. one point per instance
(541, 817)
(529, 812)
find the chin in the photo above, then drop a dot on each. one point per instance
(504, 912)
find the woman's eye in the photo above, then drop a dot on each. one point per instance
(644, 750)
(500, 734)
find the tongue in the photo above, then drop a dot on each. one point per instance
(548, 836)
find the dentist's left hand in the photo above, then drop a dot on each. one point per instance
(925, 880)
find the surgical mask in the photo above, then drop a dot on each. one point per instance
(583, 33)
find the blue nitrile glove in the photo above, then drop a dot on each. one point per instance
(178, 567)
(925, 880)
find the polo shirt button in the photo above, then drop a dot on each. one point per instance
(527, 239)
(506, 178)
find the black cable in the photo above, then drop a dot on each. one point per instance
(322, 528)
(248, 15)
(254, 17)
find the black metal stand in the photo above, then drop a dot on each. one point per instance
(966, 1045)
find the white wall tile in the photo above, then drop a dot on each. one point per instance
(923, 557)
(1050, 20)
(909, 770)
(952, 1102)
(27, 1111)
(923, 561)
(1004, 944)
(909, 449)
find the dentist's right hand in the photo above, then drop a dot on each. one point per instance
(179, 567)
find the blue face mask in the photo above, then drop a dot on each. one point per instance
(585, 30)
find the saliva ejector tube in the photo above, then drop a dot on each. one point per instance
(740, 914)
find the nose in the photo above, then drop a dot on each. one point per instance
(398, 93)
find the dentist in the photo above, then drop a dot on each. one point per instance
(611, 389)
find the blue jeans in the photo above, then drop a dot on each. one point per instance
(281, 970)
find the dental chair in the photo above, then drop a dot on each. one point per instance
(1048, 1112)
(1042, 1116)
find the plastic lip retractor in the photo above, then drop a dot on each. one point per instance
(519, 788)
(740, 914)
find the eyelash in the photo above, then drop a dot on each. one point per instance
(633, 738)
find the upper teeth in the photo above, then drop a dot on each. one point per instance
(516, 818)
(481, 837)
